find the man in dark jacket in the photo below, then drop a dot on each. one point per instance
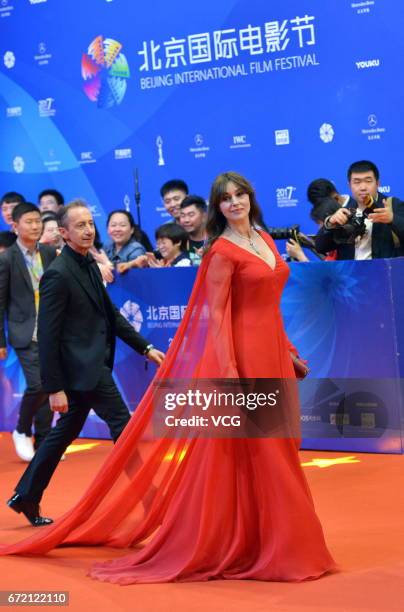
(21, 268)
(77, 328)
(384, 235)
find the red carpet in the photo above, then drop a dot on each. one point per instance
(359, 498)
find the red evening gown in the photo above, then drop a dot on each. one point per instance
(201, 509)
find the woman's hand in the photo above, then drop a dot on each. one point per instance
(100, 257)
(300, 365)
(153, 262)
(139, 262)
(106, 272)
(295, 251)
(123, 267)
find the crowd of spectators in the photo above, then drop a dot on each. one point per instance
(363, 225)
(180, 241)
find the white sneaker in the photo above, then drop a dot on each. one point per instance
(23, 446)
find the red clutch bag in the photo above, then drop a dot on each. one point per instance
(301, 369)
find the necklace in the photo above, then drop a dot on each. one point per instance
(249, 239)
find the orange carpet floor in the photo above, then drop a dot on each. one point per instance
(359, 498)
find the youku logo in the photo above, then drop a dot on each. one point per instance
(105, 72)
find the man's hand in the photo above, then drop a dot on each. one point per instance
(58, 402)
(3, 353)
(381, 215)
(340, 217)
(155, 356)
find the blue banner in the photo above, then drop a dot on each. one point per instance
(344, 317)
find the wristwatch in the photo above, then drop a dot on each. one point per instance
(148, 348)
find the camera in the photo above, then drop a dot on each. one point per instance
(284, 233)
(355, 226)
(293, 232)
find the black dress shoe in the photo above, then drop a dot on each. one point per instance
(29, 509)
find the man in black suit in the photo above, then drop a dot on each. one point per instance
(21, 267)
(77, 327)
(384, 236)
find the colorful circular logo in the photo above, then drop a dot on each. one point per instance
(105, 72)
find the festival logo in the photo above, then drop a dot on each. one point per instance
(9, 59)
(105, 72)
(327, 133)
(18, 164)
(132, 313)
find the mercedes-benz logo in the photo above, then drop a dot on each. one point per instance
(372, 120)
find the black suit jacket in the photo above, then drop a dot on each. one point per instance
(73, 326)
(382, 239)
(17, 301)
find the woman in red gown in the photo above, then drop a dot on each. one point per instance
(195, 508)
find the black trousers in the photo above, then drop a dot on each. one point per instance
(108, 404)
(34, 406)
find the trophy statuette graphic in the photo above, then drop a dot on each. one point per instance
(159, 143)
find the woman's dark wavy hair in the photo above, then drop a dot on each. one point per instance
(216, 221)
(136, 234)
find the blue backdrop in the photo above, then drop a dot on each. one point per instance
(346, 318)
(282, 91)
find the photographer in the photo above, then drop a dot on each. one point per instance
(325, 200)
(368, 226)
